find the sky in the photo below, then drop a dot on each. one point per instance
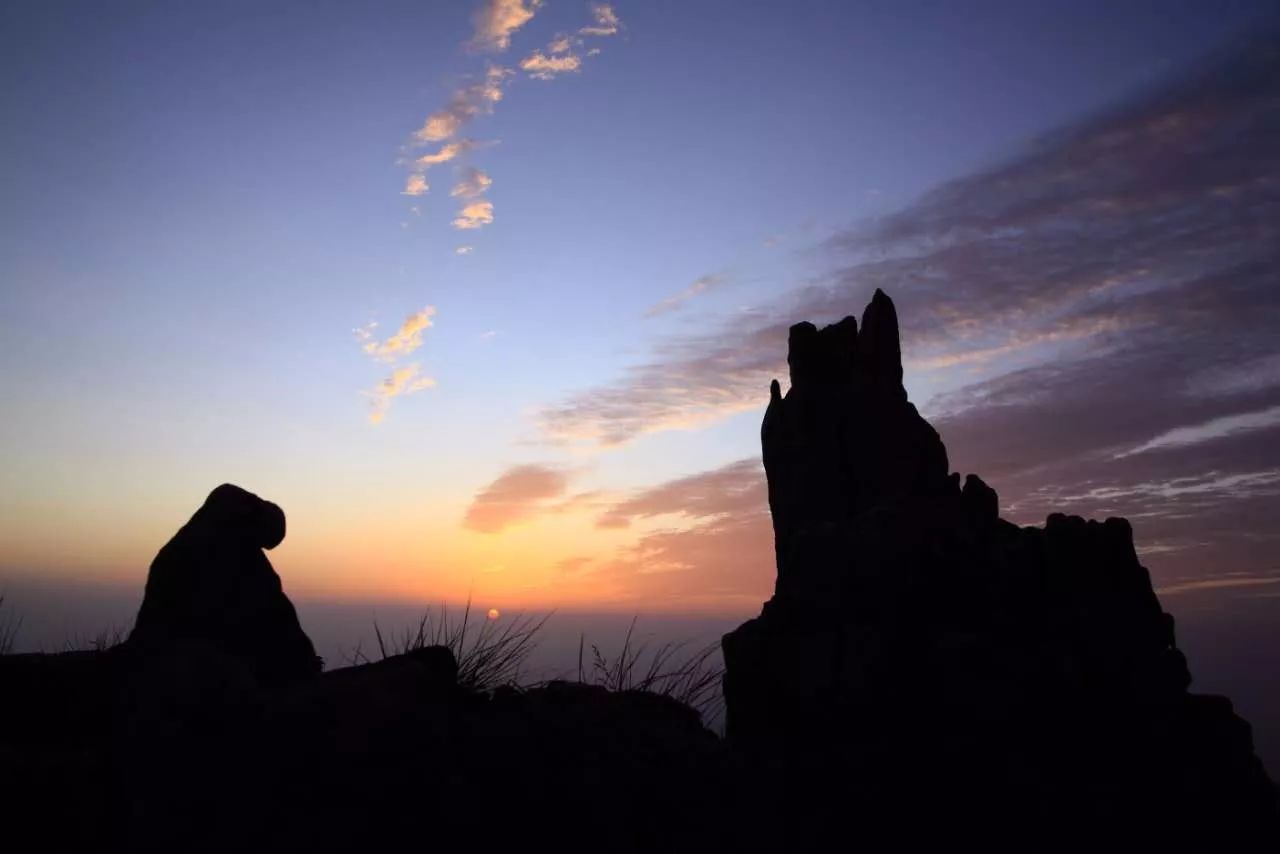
(487, 295)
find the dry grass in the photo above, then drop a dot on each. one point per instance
(9, 627)
(489, 655)
(492, 655)
(691, 676)
(101, 642)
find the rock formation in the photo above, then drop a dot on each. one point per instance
(946, 671)
(926, 676)
(212, 585)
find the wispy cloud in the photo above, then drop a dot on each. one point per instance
(563, 53)
(474, 215)
(464, 250)
(497, 20)
(542, 67)
(1114, 287)
(447, 152)
(472, 183)
(477, 98)
(1203, 584)
(606, 21)
(721, 555)
(405, 340)
(702, 284)
(415, 185)
(403, 381)
(1047, 261)
(517, 494)
(1212, 430)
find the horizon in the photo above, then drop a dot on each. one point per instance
(488, 296)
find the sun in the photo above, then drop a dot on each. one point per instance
(494, 613)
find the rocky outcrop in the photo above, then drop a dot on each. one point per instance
(212, 586)
(950, 672)
(926, 676)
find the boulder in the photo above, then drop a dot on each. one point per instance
(211, 584)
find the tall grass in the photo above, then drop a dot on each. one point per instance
(490, 654)
(101, 642)
(691, 676)
(8, 629)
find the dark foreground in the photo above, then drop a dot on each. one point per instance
(925, 674)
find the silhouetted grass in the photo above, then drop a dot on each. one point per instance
(489, 655)
(101, 642)
(493, 655)
(691, 677)
(8, 630)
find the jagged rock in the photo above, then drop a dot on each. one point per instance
(922, 658)
(211, 584)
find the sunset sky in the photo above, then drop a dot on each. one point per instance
(487, 296)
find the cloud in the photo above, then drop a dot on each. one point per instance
(464, 250)
(1114, 287)
(466, 104)
(416, 185)
(542, 67)
(560, 44)
(406, 339)
(606, 21)
(447, 152)
(476, 214)
(1216, 428)
(516, 495)
(721, 556)
(403, 381)
(1147, 235)
(497, 20)
(472, 183)
(700, 285)
(1217, 584)
(733, 489)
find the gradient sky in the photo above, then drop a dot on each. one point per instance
(487, 295)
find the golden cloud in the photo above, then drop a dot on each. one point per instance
(476, 214)
(497, 20)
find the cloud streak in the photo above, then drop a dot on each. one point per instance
(405, 340)
(1114, 288)
(467, 103)
(472, 183)
(517, 495)
(539, 66)
(447, 152)
(402, 382)
(405, 379)
(606, 21)
(700, 285)
(1146, 234)
(497, 20)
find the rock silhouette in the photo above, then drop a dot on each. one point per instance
(923, 658)
(925, 676)
(211, 584)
